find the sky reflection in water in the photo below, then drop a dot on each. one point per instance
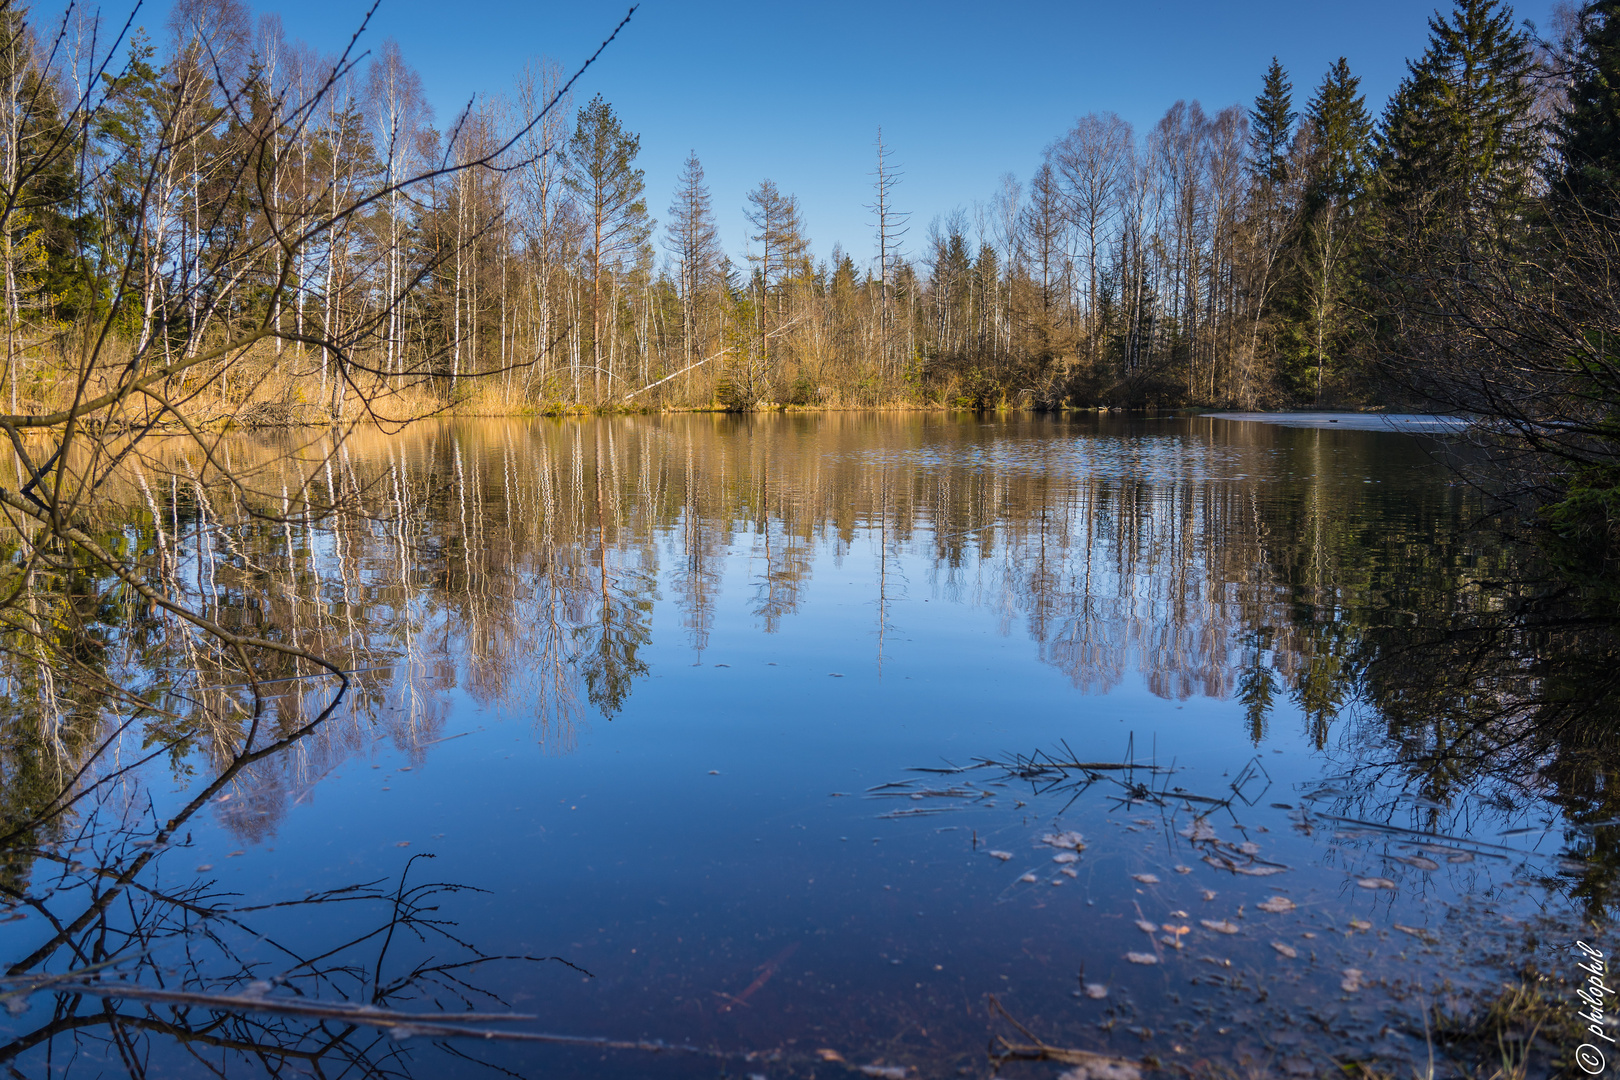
(641, 681)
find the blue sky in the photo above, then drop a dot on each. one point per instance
(795, 92)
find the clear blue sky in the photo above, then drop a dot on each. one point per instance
(795, 92)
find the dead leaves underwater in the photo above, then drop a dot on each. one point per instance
(1298, 936)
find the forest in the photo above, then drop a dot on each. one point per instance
(216, 178)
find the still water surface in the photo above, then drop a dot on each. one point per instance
(634, 739)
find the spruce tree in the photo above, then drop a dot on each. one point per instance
(1460, 139)
(1341, 137)
(1588, 170)
(1271, 126)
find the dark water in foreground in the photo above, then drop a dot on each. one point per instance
(633, 748)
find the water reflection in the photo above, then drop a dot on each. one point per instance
(1317, 577)
(520, 565)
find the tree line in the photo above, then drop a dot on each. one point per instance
(1245, 256)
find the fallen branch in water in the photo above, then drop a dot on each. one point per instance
(1100, 1066)
(402, 1024)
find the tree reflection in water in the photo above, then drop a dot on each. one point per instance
(518, 565)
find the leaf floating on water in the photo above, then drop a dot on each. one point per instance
(1183, 869)
(1209, 894)
(1069, 872)
(1418, 932)
(1142, 957)
(1277, 905)
(1096, 991)
(1066, 857)
(1286, 950)
(1376, 883)
(829, 1055)
(1029, 878)
(1101, 1068)
(1360, 924)
(1199, 829)
(1221, 926)
(885, 1072)
(1249, 847)
(1065, 840)
(1352, 980)
(1461, 857)
(1145, 926)
(1057, 881)
(1004, 856)
(1419, 861)
(1146, 879)
(1248, 870)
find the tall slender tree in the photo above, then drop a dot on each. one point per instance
(890, 224)
(1339, 132)
(694, 240)
(604, 178)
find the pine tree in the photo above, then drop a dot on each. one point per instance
(603, 176)
(1589, 129)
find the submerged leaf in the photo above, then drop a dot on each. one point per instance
(1286, 950)
(1142, 957)
(1145, 926)
(1004, 856)
(1352, 980)
(1277, 905)
(1199, 829)
(1102, 1069)
(1419, 861)
(1360, 924)
(1029, 878)
(1376, 883)
(884, 1072)
(1066, 857)
(1146, 879)
(1221, 926)
(1096, 991)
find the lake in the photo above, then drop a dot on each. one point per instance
(844, 744)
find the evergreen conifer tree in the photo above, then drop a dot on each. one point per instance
(602, 174)
(1589, 129)
(1460, 140)
(1271, 124)
(1341, 137)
